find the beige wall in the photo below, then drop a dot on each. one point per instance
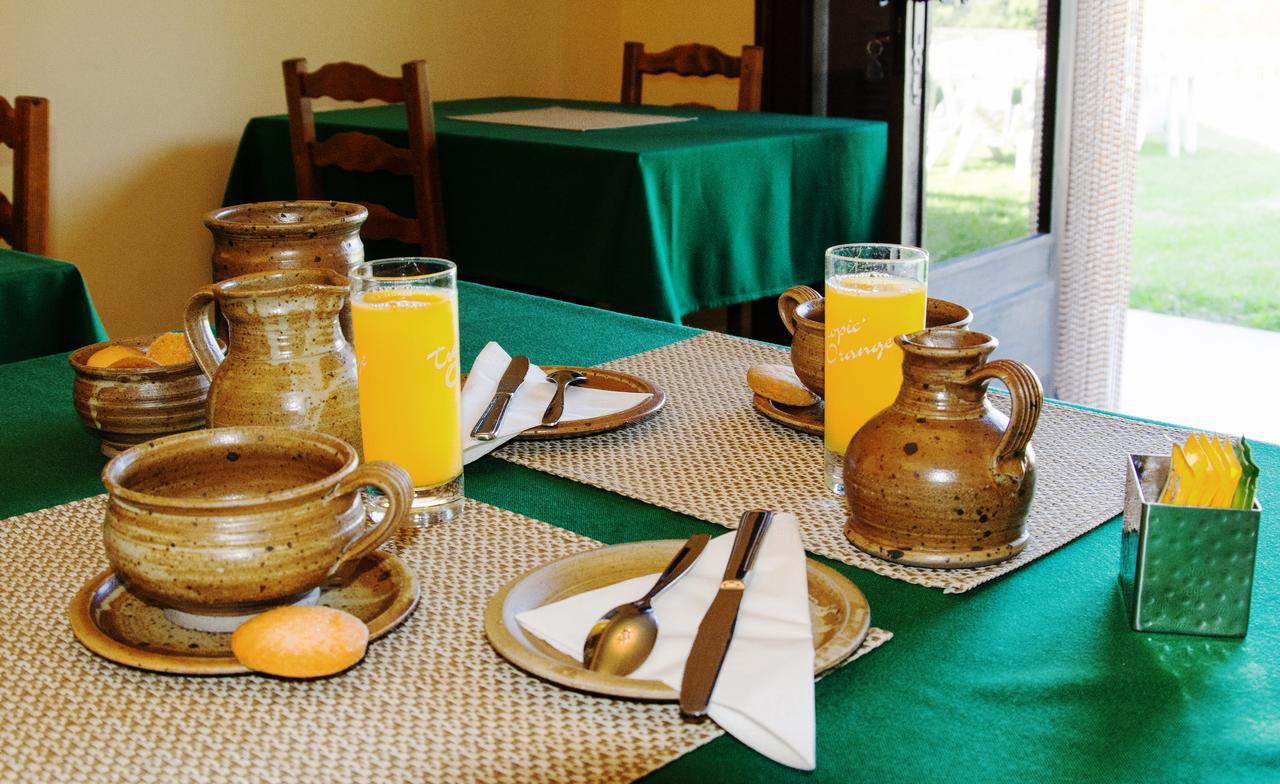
(148, 99)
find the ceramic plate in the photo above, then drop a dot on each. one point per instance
(118, 625)
(612, 381)
(806, 419)
(840, 614)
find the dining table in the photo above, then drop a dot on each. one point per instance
(46, 307)
(1035, 676)
(655, 220)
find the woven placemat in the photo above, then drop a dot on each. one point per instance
(711, 455)
(431, 701)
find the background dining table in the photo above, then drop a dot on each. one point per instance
(46, 307)
(1033, 677)
(655, 220)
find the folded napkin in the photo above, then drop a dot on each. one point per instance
(529, 402)
(764, 695)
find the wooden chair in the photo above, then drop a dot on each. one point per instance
(364, 152)
(24, 126)
(695, 60)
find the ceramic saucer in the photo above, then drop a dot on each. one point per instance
(118, 625)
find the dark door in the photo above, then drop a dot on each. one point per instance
(969, 90)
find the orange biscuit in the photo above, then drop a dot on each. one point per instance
(780, 384)
(107, 357)
(301, 642)
(170, 349)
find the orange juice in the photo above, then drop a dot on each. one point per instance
(407, 363)
(863, 365)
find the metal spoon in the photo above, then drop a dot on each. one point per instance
(623, 637)
(555, 409)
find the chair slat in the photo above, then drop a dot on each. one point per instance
(352, 82)
(691, 60)
(694, 60)
(362, 152)
(8, 124)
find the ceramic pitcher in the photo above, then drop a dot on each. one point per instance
(941, 478)
(287, 363)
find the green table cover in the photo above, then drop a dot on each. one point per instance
(659, 220)
(46, 307)
(1034, 677)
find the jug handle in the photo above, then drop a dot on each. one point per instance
(1026, 400)
(395, 484)
(195, 320)
(791, 299)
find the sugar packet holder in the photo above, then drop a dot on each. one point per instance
(1184, 569)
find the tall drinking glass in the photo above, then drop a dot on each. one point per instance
(873, 294)
(404, 317)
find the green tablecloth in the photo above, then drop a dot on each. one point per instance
(46, 307)
(1034, 677)
(658, 220)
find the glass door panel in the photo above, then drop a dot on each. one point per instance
(984, 111)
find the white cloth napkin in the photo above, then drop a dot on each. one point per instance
(529, 402)
(764, 695)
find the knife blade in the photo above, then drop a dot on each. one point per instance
(711, 643)
(486, 428)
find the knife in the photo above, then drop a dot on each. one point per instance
(487, 428)
(716, 630)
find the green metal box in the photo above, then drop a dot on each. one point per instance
(1184, 569)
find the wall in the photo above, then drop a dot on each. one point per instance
(148, 100)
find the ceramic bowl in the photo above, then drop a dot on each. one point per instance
(127, 406)
(231, 520)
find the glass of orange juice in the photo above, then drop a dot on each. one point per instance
(404, 318)
(873, 294)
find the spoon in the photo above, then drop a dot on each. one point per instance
(555, 409)
(622, 639)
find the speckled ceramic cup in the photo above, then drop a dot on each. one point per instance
(229, 521)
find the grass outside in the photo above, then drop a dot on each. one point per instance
(1206, 237)
(982, 205)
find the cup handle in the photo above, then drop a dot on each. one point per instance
(791, 299)
(395, 484)
(195, 321)
(1027, 398)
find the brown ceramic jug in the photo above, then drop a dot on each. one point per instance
(942, 479)
(803, 313)
(287, 363)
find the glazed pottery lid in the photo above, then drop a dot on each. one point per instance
(287, 218)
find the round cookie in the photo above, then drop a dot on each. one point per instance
(780, 384)
(301, 642)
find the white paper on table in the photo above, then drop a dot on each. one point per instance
(764, 694)
(528, 403)
(565, 119)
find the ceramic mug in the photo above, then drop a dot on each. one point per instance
(231, 520)
(803, 313)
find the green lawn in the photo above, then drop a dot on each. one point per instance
(983, 205)
(1206, 237)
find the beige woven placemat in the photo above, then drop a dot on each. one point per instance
(431, 701)
(709, 454)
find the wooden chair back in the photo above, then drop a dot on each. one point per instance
(695, 60)
(364, 152)
(24, 220)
